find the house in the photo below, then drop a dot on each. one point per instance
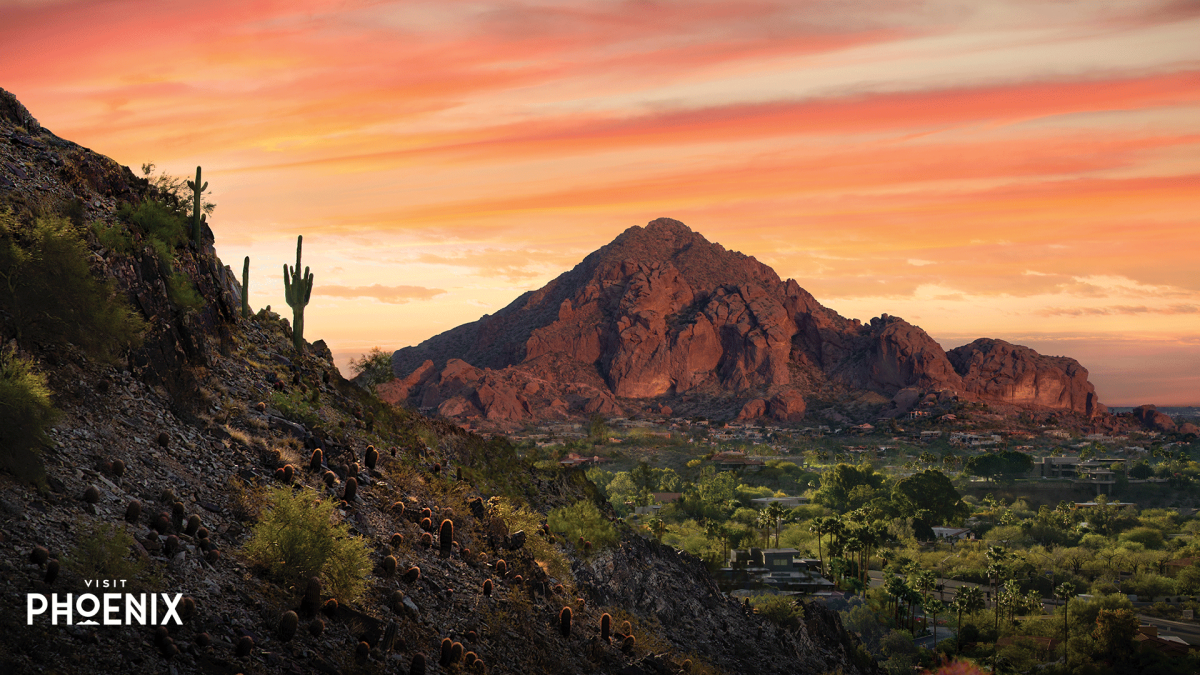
(733, 460)
(773, 570)
(573, 459)
(951, 533)
(1148, 638)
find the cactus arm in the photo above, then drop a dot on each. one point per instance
(246, 288)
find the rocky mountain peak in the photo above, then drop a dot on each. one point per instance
(661, 314)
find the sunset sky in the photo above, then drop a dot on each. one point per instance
(1021, 169)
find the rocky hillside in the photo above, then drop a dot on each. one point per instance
(167, 455)
(661, 317)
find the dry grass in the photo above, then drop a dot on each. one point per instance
(245, 502)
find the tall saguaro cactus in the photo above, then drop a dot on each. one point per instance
(246, 288)
(197, 218)
(297, 291)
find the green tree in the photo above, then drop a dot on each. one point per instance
(1114, 633)
(374, 367)
(839, 484)
(717, 488)
(933, 607)
(597, 429)
(968, 599)
(932, 495)
(775, 514)
(992, 466)
(1065, 592)
(820, 527)
(643, 477)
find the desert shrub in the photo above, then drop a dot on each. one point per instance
(165, 229)
(297, 538)
(374, 367)
(781, 610)
(157, 221)
(113, 237)
(583, 519)
(106, 552)
(546, 554)
(296, 407)
(26, 413)
(49, 295)
(1146, 536)
(182, 292)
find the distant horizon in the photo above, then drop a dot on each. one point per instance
(1017, 170)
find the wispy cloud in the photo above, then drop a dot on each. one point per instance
(389, 294)
(1119, 310)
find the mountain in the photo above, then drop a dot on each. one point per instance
(211, 415)
(661, 317)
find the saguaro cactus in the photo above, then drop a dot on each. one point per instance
(246, 288)
(197, 189)
(297, 291)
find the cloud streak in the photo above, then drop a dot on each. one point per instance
(396, 295)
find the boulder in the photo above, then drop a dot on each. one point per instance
(1151, 418)
(787, 406)
(754, 408)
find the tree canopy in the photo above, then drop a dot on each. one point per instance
(930, 498)
(1007, 464)
(846, 487)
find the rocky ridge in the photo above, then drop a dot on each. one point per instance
(663, 317)
(204, 417)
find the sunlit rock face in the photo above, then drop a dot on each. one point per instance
(662, 313)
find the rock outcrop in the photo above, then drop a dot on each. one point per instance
(1151, 418)
(994, 370)
(661, 313)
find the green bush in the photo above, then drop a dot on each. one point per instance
(165, 229)
(47, 288)
(375, 367)
(106, 552)
(157, 221)
(182, 293)
(296, 407)
(26, 413)
(113, 237)
(583, 519)
(781, 610)
(298, 539)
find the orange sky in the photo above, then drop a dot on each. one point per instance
(1019, 169)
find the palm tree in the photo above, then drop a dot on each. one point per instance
(819, 527)
(1065, 592)
(968, 599)
(764, 523)
(934, 606)
(855, 545)
(836, 529)
(775, 512)
(898, 589)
